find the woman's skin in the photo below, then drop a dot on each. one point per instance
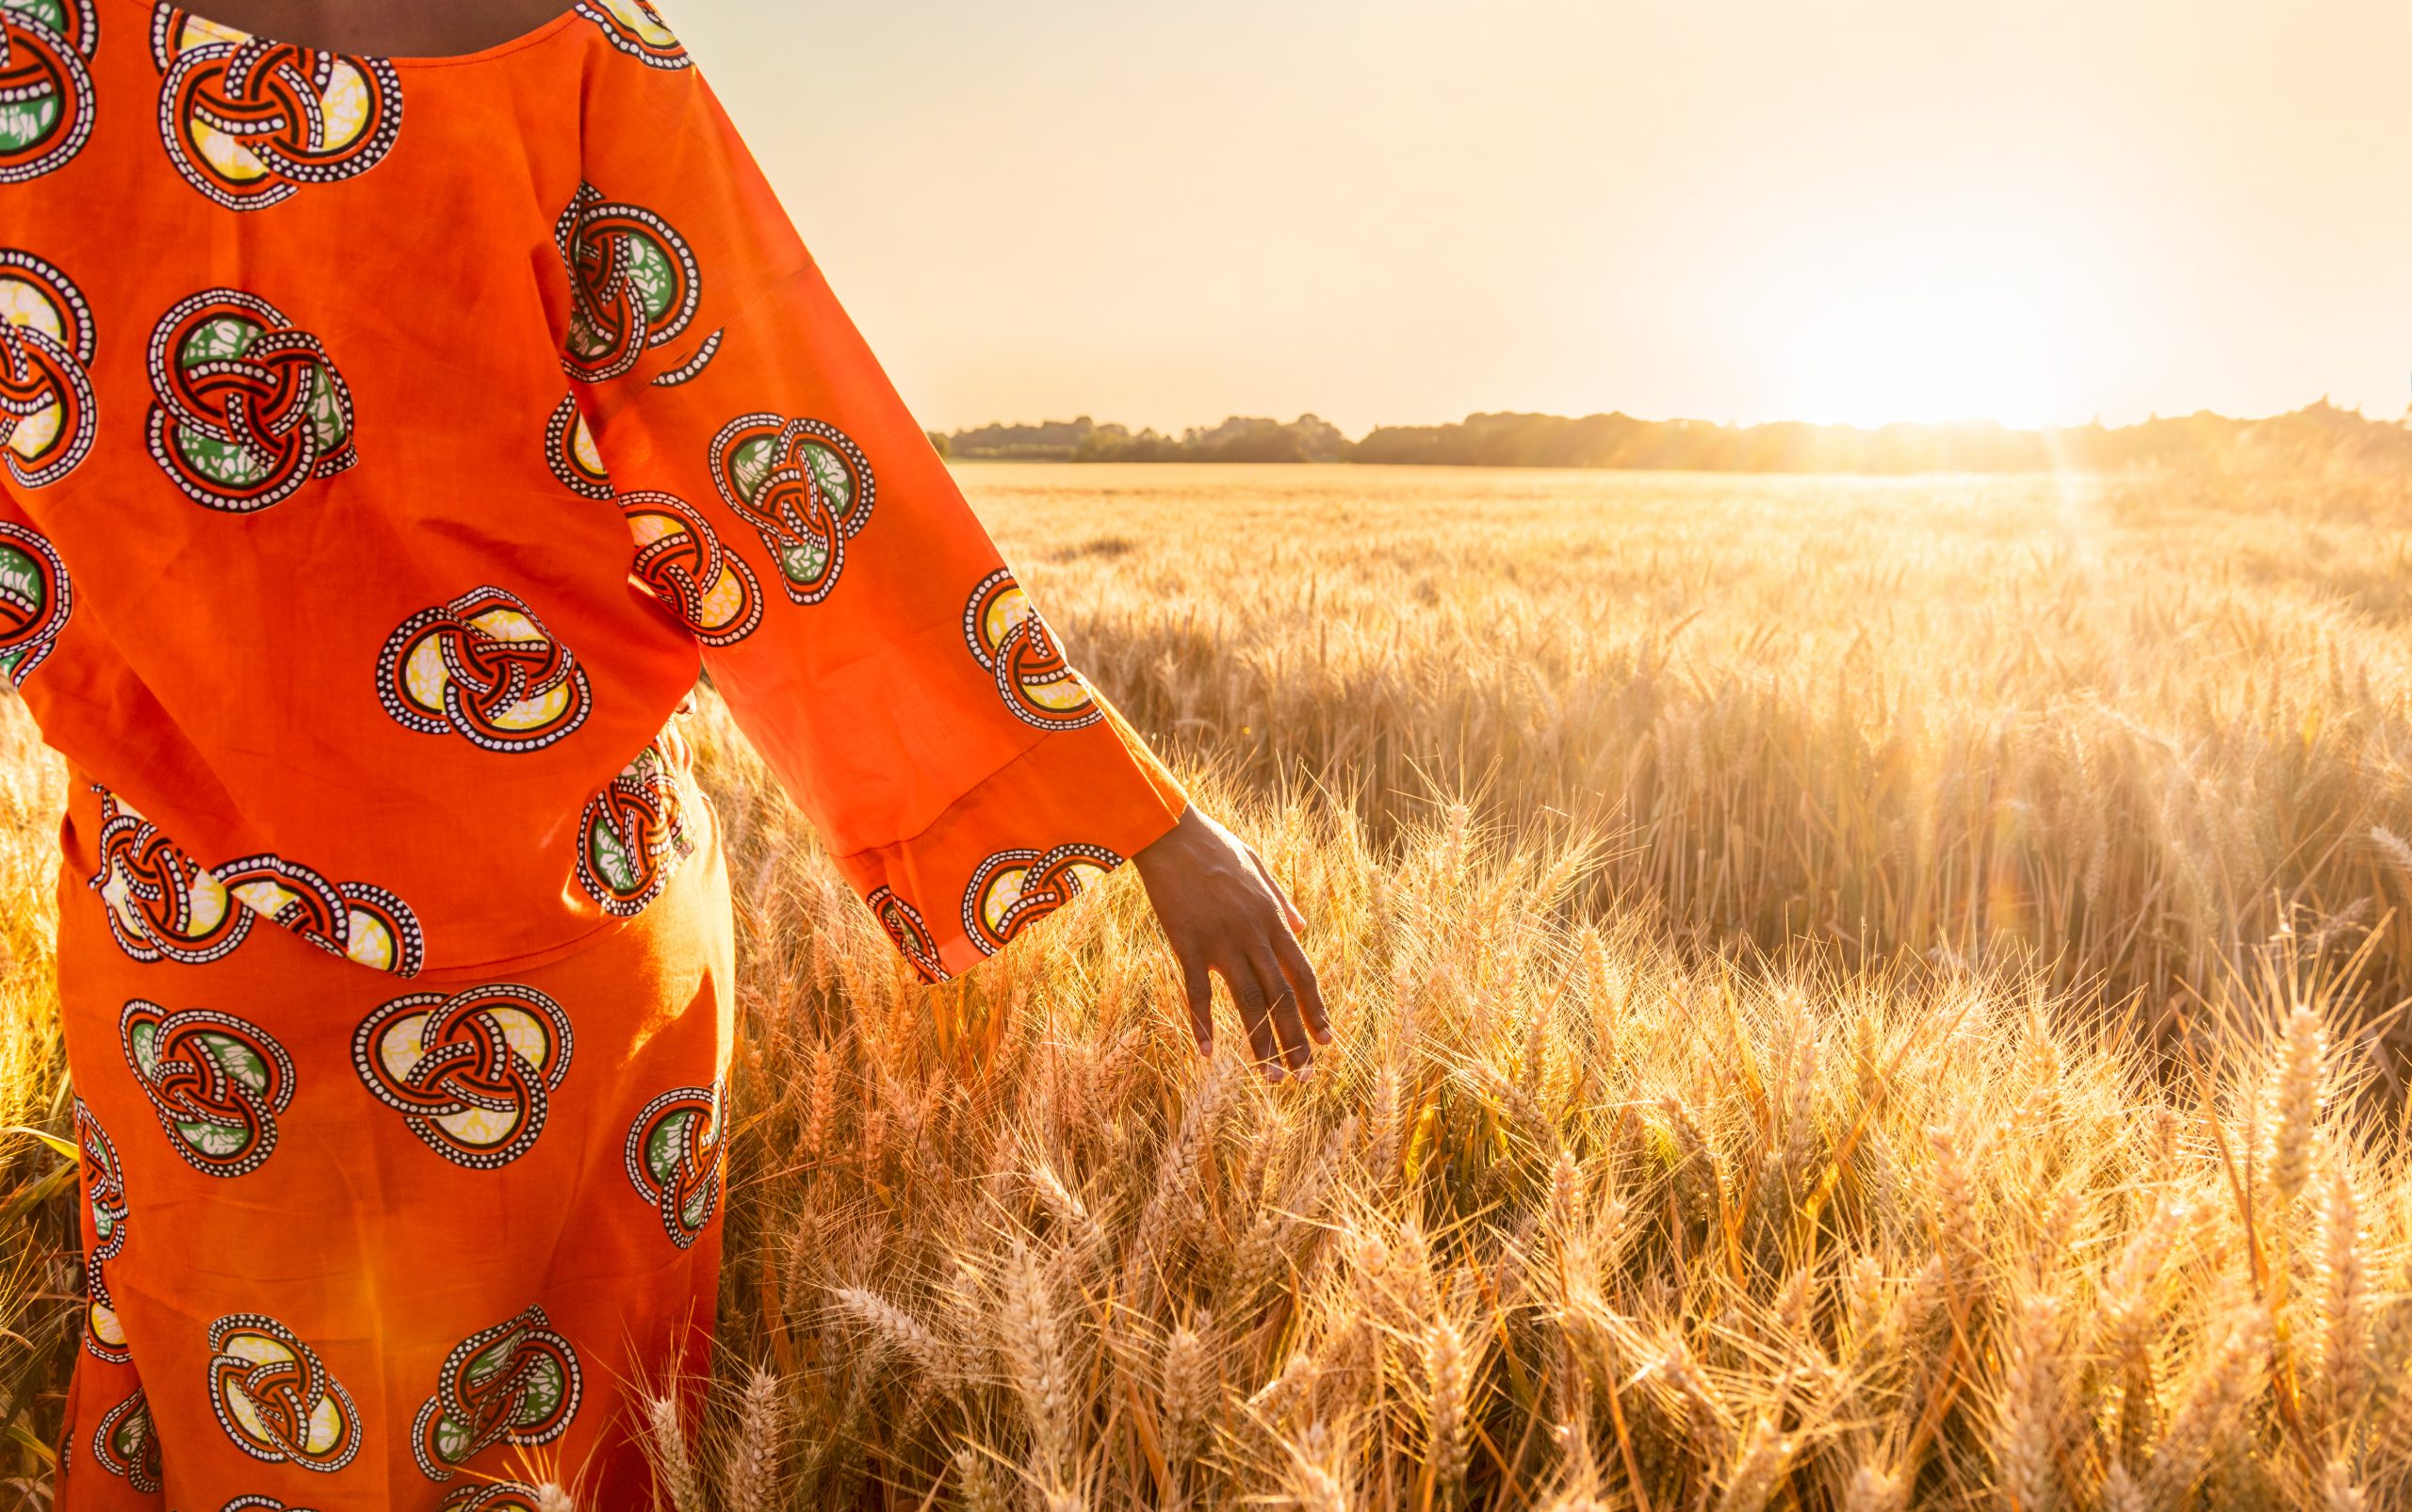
(386, 28)
(1224, 913)
(1220, 907)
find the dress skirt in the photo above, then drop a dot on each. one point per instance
(355, 1243)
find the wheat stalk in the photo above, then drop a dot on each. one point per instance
(1873, 1488)
(2343, 1296)
(901, 1330)
(1038, 1360)
(1187, 1392)
(666, 1444)
(2120, 1492)
(1449, 1429)
(2297, 1088)
(820, 1102)
(752, 1473)
(1758, 1464)
(2027, 1436)
(2223, 1384)
(1315, 1483)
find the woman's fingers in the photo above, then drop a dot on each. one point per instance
(1290, 914)
(1198, 987)
(1212, 891)
(1288, 1027)
(1300, 974)
(1256, 1014)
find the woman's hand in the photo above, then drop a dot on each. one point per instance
(1224, 913)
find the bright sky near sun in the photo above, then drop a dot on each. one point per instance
(1402, 211)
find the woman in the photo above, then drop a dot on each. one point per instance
(393, 419)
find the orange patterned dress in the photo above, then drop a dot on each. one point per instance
(387, 442)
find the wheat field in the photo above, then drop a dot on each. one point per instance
(1850, 995)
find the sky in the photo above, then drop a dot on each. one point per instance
(1403, 211)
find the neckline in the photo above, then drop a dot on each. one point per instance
(513, 44)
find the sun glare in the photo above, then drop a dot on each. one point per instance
(1978, 309)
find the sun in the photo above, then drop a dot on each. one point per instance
(1949, 308)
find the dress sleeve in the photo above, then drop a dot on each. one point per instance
(864, 631)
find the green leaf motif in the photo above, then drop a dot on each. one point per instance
(665, 1151)
(220, 340)
(220, 462)
(829, 475)
(652, 273)
(51, 13)
(804, 563)
(26, 123)
(610, 859)
(216, 1141)
(747, 468)
(238, 1061)
(452, 1441)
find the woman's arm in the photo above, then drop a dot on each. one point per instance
(855, 614)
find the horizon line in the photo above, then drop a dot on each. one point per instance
(1865, 428)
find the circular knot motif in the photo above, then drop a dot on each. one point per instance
(104, 1331)
(218, 1083)
(245, 408)
(496, 1496)
(34, 600)
(637, 29)
(364, 924)
(635, 284)
(515, 1382)
(571, 453)
(472, 1073)
(45, 84)
(1014, 889)
(673, 1158)
(104, 1184)
(909, 932)
(104, 1200)
(127, 1446)
(804, 486)
(249, 123)
(1017, 647)
(162, 904)
(484, 667)
(275, 1399)
(633, 833)
(48, 411)
(680, 558)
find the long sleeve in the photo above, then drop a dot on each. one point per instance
(865, 631)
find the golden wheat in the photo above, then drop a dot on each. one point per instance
(1850, 996)
(2124, 728)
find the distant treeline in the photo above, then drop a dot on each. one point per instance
(1305, 439)
(1622, 441)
